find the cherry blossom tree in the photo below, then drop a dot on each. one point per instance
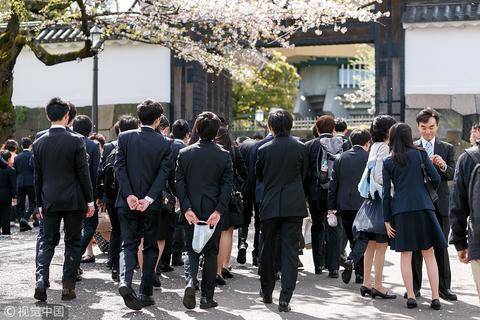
(220, 35)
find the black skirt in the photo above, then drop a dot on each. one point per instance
(232, 219)
(417, 230)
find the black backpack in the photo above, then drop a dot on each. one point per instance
(109, 177)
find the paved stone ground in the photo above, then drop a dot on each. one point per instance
(316, 296)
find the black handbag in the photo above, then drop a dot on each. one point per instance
(426, 179)
(236, 199)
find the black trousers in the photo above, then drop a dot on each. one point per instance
(22, 194)
(5, 209)
(210, 253)
(174, 242)
(72, 223)
(115, 237)
(288, 231)
(443, 261)
(357, 249)
(89, 228)
(134, 225)
(326, 240)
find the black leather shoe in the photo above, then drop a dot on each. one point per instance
(78, 278)
(177, 260)
(146, 300)
(364, 291)
(115, 275)
(386, 295)
(255, 261)
(242, 254)
(129, 297)
(47, 283)
(358, 278)
(189, 295)
(284, 306)
(24, 225)
(40, 291)
(448, 295)
(219, 281)
(333, 274)
(347, 273)
(318, 271)
(207, 303)
(267, 299)
(417, 294)
(226, 274)
(435, 305)
(156, 281)
(411, 303)
(68, 292)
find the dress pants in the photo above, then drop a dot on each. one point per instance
(288, 230)
(248, 208)
(326, 240)
(443, 261)
(22, 194)
(357, 246)
(178, 246)
(166, 257)
(115, 237)
(210, 253)
(72, 223)
(134, 225)
(89, 228)
(5, 209)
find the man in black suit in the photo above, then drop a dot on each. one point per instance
(143, 163)
(283, 205)
(7, 190)
(63, 191)
(83, 126)
(24, 167)
(107, 195)
(203, 181)
(344, 199)
(442, 155)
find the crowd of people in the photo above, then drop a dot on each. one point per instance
(174, 196)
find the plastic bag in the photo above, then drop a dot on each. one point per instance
(307, 232)
(202, 232)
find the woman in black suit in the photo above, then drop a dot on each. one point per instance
(8, 187)
(231, 220)
(409, 214)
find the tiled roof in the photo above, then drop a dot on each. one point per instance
(439, 11)
(60, 34)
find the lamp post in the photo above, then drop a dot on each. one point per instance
(95, 36)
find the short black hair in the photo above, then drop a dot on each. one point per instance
(148, 111)
(425, 115)
(72, 112)
(180, 129)
(26, 142)
(242, 139)
(360, 137)
(5, 154)
(11, 145)
(381, 126)
(340, 125)
(82, 125)
(164, 123)
(56, 109)
(207, 125)
(127, 122)
(281, 122)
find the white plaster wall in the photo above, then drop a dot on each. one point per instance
(442, 59)
(128, 73)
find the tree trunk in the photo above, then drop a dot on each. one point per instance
(10, 48)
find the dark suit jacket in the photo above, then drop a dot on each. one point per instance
(99, 192)
(3, 163)
(446, 151)
(142, 164)
(282, 166)
(24, 167)
(41, 133)
(93, 152)
(410, 191)
(7, 185)
(347, 171)
(204, 179)
(252, 183)
(62, 178)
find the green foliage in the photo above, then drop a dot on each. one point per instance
(274, 85)
(21, 113)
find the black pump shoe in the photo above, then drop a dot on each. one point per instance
(364, 291)
(435, 305)
(386, 295)
(411, 303)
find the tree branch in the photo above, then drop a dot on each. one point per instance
(52, 59)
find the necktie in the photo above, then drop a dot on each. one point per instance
(429, 148)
